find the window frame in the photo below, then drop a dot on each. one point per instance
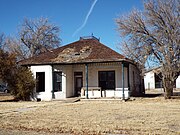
(40, 85)
(57, 84)
(105, 83)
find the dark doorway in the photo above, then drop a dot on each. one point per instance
(78, 83)
(158, 80)
(107, 80)
(40, 84)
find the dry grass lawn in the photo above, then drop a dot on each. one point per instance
(6, 96)
(140, 116)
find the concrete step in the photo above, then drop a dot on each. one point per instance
(69, 100)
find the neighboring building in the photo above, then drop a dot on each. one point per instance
(84, 68)
(153, 79)
(178, 82)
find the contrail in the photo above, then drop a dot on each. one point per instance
(86, 18)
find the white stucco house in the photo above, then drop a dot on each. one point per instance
(84, 68)
(153, 79)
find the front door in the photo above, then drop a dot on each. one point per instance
(78, 83)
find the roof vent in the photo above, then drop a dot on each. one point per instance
(89, 37)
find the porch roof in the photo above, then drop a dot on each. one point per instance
(82, 51)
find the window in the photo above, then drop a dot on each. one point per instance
(57, 81)
(107, 80)
(40, 84)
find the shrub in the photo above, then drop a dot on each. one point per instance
(20, 79)
(24, 84)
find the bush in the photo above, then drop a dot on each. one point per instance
(20, 79)
(24, 84)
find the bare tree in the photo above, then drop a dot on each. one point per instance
(39, 35)
(2, 40)
(154, 35)
(15, 46)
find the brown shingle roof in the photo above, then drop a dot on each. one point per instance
(82, 51)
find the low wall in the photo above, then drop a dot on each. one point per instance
(44, 96)
(118, 93)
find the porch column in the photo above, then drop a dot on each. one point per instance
(128, 77)
(53, 96)
(86, 71)
(123, 96)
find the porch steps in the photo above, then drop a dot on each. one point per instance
(68, 100)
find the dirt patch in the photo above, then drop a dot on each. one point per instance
(6, 97)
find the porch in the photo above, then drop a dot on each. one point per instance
(95, 80)
(92, 80)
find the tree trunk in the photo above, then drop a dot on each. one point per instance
(168, 88)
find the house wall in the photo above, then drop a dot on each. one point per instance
(93, 69)
(68, 72)
(135, 80)
(67, 76)
(67, 81)
(77, 68)
(93, 73)
(47, 95)
(178, 82)
(149, 80)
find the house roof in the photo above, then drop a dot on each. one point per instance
(154, 69)
(82, 51)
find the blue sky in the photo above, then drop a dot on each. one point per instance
(69, 15)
